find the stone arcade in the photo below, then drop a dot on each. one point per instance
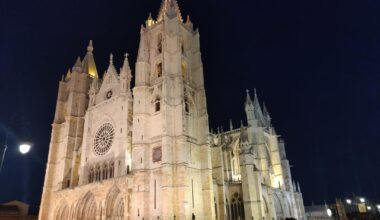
(146, 152)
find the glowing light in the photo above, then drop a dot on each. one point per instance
(369, 207)
(362, 200)
(378, 206)
(348, 201)
(24, 148)
(329, 212)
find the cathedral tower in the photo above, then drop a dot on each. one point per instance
(171, 160)
(67, 130)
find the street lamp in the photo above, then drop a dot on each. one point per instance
(348, 201)
(362, 200)
(329, 212)
(24, 148)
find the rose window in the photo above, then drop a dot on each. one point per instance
(103, 139)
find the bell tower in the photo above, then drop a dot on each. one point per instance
(171, 159)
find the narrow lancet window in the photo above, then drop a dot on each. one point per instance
(159, 70)
(184, 71)
(187, 106)
(157, 105)
(159, 44)
(112, 170)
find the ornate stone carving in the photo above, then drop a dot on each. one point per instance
(103, 139)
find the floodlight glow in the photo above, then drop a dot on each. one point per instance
(369, 207)
(329, 212)
(348, 201)
(362, 200)
(24, 148)
(378, 206)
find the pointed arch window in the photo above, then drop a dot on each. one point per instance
(91, 175)
(105, 171)
(159, 70)
(184, 70)
(97, 173)
(187, 105)
(159, 44)
(112, 170)
(157, 104)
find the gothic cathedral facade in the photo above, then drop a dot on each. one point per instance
(146, 152)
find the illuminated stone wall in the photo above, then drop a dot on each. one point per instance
(118, 152)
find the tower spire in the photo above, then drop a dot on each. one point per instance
(150, 22)
(125, 75)
(258, 111)
(89, 65)
(250, 111)
(126, 66)
(169, 8)
(111, 66)
(266, 116)
(78, 65)
(90, 48)
(248, 100)
(68, 75)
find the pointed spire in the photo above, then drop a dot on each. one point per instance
(150, 22)
(111, 68)
(298, 186)
(169, 8)
(77, 66)
(188, 23)
(111, 59)
(294, 186)
(68, 75)
(126, 66)
(265, 112)
(248, 100)
(250, 111)
(231, 125)
(256, 102)
(258, 111)
(90, 48)
(89, 65)
(267, 116)
(125, 75)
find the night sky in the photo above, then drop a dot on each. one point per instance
(315, 64)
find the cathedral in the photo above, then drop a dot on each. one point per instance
(144, 153)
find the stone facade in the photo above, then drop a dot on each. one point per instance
(146, 152)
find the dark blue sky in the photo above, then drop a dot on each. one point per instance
(315, 64)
